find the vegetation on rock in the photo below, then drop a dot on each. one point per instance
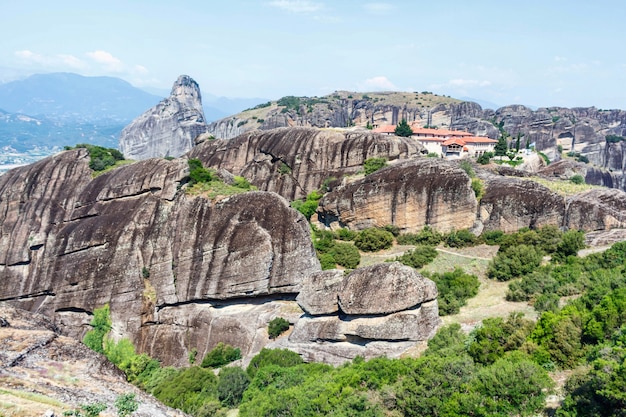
(372, 165)
(222, 354)
(100, 158)
(276, 327)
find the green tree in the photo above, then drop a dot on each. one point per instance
(281, 357)
(373, 240)
(571, 243)
(501, 147)
(276, 327)
(372, 165)
(418, 257)
(231, 385)
(403, 129)
(514, 262)
(220, 355)
(101, 325)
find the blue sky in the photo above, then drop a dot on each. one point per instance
(541, 53)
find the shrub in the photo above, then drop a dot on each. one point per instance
(126, 404)
(276, 327)
(570, 244)
(492, 237)
(281, 357)
(418, 257)
(454, 288)
(197, 173)
(241, 182)
(345, 254)
(101, 325)
(468, 168)
(372, 165)
(577, 179)
(309, 206)
(477, 187)
(427, 236)
(345, 234)
(220, 355)
(232, 383)
(461, 239)
(485, 158)
(373, 240)
(187, 389)
(514, 262)
(100, 158)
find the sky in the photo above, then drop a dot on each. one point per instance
(539, 53)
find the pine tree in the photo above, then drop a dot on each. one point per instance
(403, 129)
(501, 147)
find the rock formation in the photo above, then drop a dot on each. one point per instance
(425, 191)
(169, 128)
(381, 308)
(295, 161)
(410, 195)
(37, 359)
(132, 238)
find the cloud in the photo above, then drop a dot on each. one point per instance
(30, 56)
(297, 6)
(72, 61)
(459, 82)
(378, 8)
(110, 62)
(50, 62)
(379, 83)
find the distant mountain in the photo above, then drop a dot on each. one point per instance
(73, 97)
(483, 103)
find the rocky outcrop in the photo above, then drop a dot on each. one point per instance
(410, 195)
(169, 128)
(510, 204)
(373, 309)
(596, 209)
(134, 239)
(295, 161)
(37, 359)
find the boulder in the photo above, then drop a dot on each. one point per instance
(318, 292)
(383, 289)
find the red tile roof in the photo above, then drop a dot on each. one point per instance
(385, 129)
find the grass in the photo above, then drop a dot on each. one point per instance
(214, 189)
(564, 188)
(16, 403)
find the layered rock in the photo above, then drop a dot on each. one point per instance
(295, 161)
(410, 195)
(386, 307)
(170, 127)
(37, 359)
(132, 238)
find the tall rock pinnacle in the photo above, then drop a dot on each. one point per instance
(170, 127)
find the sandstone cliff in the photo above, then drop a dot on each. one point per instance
(295, 161)
(410, 195)
(37, 359)
(165, 262)
(426, 191)
(169, 128)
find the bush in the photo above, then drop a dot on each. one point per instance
(220, 355)
(345, 234)
(427, 236)
(577, 179)
(126, 404)
(276, 327)
(101, 325)
(492, 237)
(345, 254)
(477, 187)
(461, 239)
(418, 257)
(571, 242)
(232, 383)
(372, 165)
(514, 262)
(373, 240)
(454, 288)
(485, 158)
(309, 206)
(284, 358)
(197, 173)
(241, 182)
(187, 389)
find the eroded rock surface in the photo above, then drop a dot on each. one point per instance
(410, 195)
(132, 238)
(36, 358)
(295, 161)
(372, 309)
(170, 127)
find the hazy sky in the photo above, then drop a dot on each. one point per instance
(542, 53)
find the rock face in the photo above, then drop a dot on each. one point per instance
(410, 195)
(169, 128)
(37, 358)
(132, 238)
(295, 161)
(372, 310)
